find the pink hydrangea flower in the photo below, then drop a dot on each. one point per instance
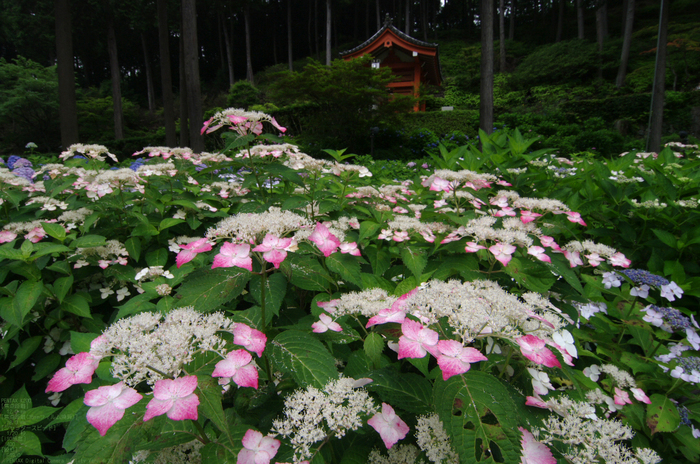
(503, 252)
(238, 366)
(176, 398)
(528, 216)
(35, 235)
(7, 236)
(574, 258)
(417, 340)
(618, 259)
(594, 259)
(107, 405)
(640, 396)
(549, 242)
(400, 236)
(389, 426)
(505, 211)
(190, 250)
(350, 248)
(574, 217)
(455, 359)
(324, 240)
(440, 185)
(534, 452)
(79, 369)
(232, 254)
(275, 249)
(257, 449)
(325, 323)
(538, 252)
(622, 397)
(251, 339)
(473, 247)
(534, 349)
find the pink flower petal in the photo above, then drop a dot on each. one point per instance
(534, 452)
(324, 240)
(389, 426)
(257, 449)
(417, 340)
(534, 349)
(176, 398)
(251, 339)
(107, 405)
(79, 369)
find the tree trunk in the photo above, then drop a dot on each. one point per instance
(229, 55)
(67, 108)
(486, 91)
(149, 76)
(289, 35)
(579, 18)
(248, 58)
(184, 113)
(328, 32)
(626, 43)
(316, 45)
(165, 73)
(191, 65)
(511, 28)
(560, 21)
(424, 19)
(407, 28)
(379, 15)
(502, 37)
(656, 118)
(601, 33)
(115, 76)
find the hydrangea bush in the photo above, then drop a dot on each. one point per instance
(261, 306)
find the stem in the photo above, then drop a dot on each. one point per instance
(159, 372)
(203, 436)
(263, 282)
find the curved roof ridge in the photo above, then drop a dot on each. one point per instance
(388, 25)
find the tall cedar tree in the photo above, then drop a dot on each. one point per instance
(486, 91)
(656, 118)
(68, 109)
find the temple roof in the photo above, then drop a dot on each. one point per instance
(388, 38)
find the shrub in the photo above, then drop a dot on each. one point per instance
(243, 95)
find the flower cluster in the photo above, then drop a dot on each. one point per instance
(243, 122)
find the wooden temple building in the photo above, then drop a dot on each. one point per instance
(412, 61)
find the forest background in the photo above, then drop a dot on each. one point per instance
(558, 73)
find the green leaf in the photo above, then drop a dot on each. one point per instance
(379, 258)
(301, 355)
(43, 249)
(210, 402)
(80, 341)
(23, 443)
(285, 173)
(54, 230)
(662, 414)
(666, 237)
(138, 304)
(275, 290)
(62, 286)
(209, 289)
(133, 247)
(46, 365)
(158, 257)
(26, 349)
(562, 267)
(162, 432)
(411, 392)
(27, 247)
(8, 251)
(374, 345)
(347, 266)
(478, 410)
(76, 304)
(169, 222)
(368, 229)
(306, 273)
(26, 296)
(415, 259)
(294, 202)
(68, 413)
(532, 276)
(60, 266)
(89, 241)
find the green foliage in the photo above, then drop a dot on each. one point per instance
(243, 95)
(339, 104)
(28, 104)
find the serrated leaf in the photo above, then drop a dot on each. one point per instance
(7, 251)
(80, 341)
(89, 241)
(138, 304)
(379, 258)
(68, 413)
(76, 304)
(666, 237)
(23, 443)
(62, 286)
(561, 266)
(368, 229)
(210, 402)
(301, 355)
(347, 266)
(275, 290)
(46, 365)
(133, 247)
(209, 289)
(26, 296)
(26, 349)
(54, 230)
(306, 273)
(162, 432)
(415, 259)
(374, 345)
(169, 222)
(662, 414)
(43, 249)
(294, 202)
(533, 276)
(411, 392)
(158, 257)
(476, 409)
